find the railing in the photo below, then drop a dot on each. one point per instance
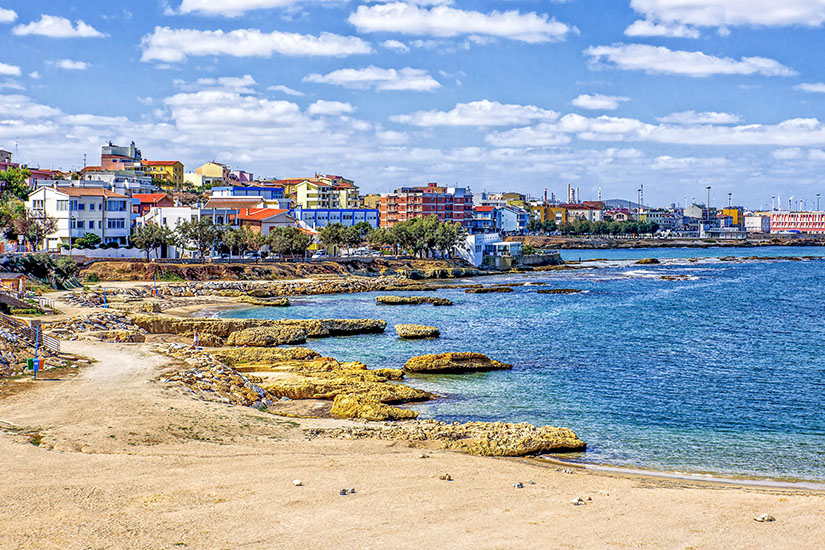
(25, 332)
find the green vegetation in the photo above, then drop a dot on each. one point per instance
(58, 272)
(421, 236)
(288, 240)
(170, 277)
(16, 185)
(585, 227)
(89, 240)
(151, 236)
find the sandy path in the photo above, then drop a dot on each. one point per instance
(137, 465)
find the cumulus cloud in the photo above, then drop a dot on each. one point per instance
(57, 27)
(234, 8)
(718, 13)
(379, 79)
(478, 113)
(7, 16)
(661, 60)
(243, 83)
(71, 65)
(813, 87)
(669, 30)
(445, 21)
(395, 45)
(285, 90)
(174, 45)
(599, 102)
(322, 107)
(692, 117)
(9, 70)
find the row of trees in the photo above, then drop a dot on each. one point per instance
(420, 236)
(202, 236)
(586, 227)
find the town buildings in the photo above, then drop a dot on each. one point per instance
(798, 222)
(448, 204)
(170, 171)
(212, 173)
(145, 202)
(317, 218)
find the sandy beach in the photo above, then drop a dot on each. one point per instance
(123, 461)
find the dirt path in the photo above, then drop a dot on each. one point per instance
(125, 462)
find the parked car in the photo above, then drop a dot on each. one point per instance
(319, 254)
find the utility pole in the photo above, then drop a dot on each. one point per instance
(708, 203)
(729, 199)
(817, 202)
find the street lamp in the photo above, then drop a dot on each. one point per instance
(817, 202)
(708, 203)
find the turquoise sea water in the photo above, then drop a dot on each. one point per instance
(723, 372)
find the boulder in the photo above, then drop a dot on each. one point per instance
(505, 439)
(262, 302)
(118, 336)
(453, 362)
(351, 406)
(558, 291)
(267, 336)
(264, 355)
(416, 331)
(648, 261)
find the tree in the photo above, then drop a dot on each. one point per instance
(15, 183)
(200, 233)
(333, 234)
(89, 240)
(152, 236)
(289, 240)
(239, 238)
(34, 229)
(10, 210)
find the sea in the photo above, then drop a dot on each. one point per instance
(717, 368)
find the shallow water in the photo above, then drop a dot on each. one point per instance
(722, 372)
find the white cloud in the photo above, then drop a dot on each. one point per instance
(478, 113)
(7, 16)
(661, 60)
(795, 153)
(692, 117)
(718, 13)
(670, 30)
(57, 27)
(789, 133)
(71, 65)
(814, 87)
(395, 45)
(322, 107)
(34, 74)
(234, 8)
(599, 102)
(380, 79)
(446, 21)
(285, 90)
(174, 45)
(243, 83)
(11, 85)
(9, 70)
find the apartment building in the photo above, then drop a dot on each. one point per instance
(81, 210)
(449, 204)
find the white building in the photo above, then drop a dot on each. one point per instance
(474, 246)
(757, 224)
(82, 210)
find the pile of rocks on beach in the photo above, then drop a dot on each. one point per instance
(110, 326)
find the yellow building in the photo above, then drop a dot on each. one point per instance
(547, 212)
(214, 173)
(736, 214)
(168, 170)
(372, 201)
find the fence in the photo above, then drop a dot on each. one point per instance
(25, 332)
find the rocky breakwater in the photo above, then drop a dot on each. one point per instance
(108, 326)
(453, 363)
(205, 377)
(488, 289)
(412, 300)
(296, 379)
(214, 332)
(476, 438)
(412, 332)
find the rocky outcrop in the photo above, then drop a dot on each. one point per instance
(477, 438)
(488, 289)
(120, 336)
(412, 300)
(104, 323)
(234, 356)
(261, 302)
(559, 291)
(352, 406)
(267, 336)
(453, 362)
(648, 261)
(408, 331)
(223, 328)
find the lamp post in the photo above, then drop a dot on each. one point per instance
(708, 203)
(817, 202)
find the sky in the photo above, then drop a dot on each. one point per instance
(508, 95)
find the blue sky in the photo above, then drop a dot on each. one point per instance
(674, 95)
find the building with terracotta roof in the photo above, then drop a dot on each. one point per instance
(148, 201)
(167, 170)
(82, 210)
(449, 204)
(263, 220)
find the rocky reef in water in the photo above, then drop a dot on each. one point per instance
(453, 362)
(412, 332)
(412, 300)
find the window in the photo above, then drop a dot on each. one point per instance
(91, 206)
(62, 206)
(73, 205)
(39, 205)
(81, 224)
(116, 206)
(81, 206)
(99, 224)
(116, 223)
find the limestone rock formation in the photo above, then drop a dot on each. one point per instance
(559, 291)
(120, 336)
(453, 362)
(233, 356)
(408, 331)
(648, 261)
(261, 302)
(267, 336)
(488, 289)
(352, 406)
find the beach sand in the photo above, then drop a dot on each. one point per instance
(137, 465)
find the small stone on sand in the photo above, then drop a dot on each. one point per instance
(297, 483)
(446, 477)
(764, 518)
(577, 502)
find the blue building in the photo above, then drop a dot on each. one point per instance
(317, 218)
(267, 193)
